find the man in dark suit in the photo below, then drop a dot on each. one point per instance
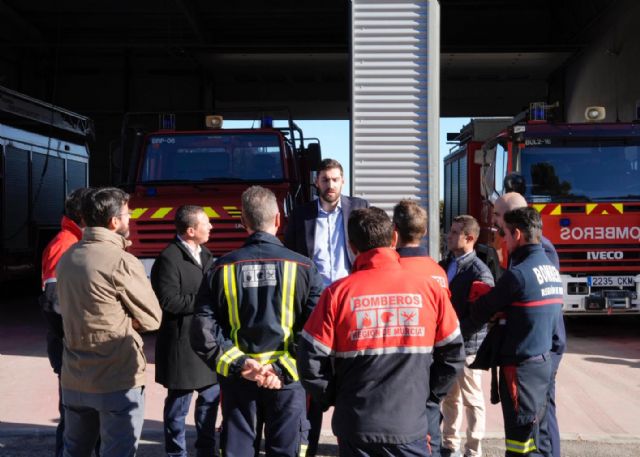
(318, 230)
(176, 277)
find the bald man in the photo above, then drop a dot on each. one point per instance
(549, 430)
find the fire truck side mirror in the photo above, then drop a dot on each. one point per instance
(483, 156)
(314, 155)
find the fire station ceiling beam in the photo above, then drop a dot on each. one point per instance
(193, 18)
(19, 27)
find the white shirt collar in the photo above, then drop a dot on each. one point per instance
(336, 209)
(195, 252)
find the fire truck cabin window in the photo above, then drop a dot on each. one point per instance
(583, 173)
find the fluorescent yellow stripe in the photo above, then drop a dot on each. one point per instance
(590, 207)
(283, 310)
(557, 211)
(290, 365)
(288, 293)
(520, 447)
(136, 213)
(266, 357)
(292, 291)
(538, 207)
(619, 207)
(230, 207)
(234, 290)
(227, 359)
(303, 450)
(210, 212)
(160, 213)
(231, 295)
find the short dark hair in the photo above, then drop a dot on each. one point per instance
(370, 228)
(73, 204)
(469, 225)
(101, 204)
(410, 220)
(514, 182)
(187, 216)
(328, 164)
(527, 220)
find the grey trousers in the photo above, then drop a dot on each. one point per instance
(116, 417)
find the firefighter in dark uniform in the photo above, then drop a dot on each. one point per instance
(529, 295)
(250, 311)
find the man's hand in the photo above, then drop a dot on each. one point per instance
(252, 370)
(270, 380)
(263, 375)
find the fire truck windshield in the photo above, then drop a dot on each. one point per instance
(585, 173)
(206, 157)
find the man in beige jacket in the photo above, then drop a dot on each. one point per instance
(105, 301)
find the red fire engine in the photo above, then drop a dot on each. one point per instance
(211, 167)
(583, 178)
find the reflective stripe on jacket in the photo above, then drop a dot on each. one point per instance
(254, 304)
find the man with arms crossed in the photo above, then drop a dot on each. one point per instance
(105, 301)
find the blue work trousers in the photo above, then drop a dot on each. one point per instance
(549, 430)
(283, 410)
(523, 396)
(176, 408)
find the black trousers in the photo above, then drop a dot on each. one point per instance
(523, 396)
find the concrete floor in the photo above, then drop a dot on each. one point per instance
(598, 388)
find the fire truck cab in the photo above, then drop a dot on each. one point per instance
(584, 179)
(211, 167)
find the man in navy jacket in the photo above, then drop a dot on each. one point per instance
(529, 298)
(549, 430)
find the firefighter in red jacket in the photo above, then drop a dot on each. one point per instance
(70, 233)
(379, 342)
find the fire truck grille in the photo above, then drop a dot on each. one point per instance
(150, 237)
(609, 257)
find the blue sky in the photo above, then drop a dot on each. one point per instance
(334, 140)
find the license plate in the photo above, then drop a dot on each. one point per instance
(614, 281)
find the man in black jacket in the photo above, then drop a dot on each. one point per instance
(463, 268)
(176, 277)
(250, 313)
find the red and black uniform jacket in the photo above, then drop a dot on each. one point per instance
(69, 234)
(377, 345)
